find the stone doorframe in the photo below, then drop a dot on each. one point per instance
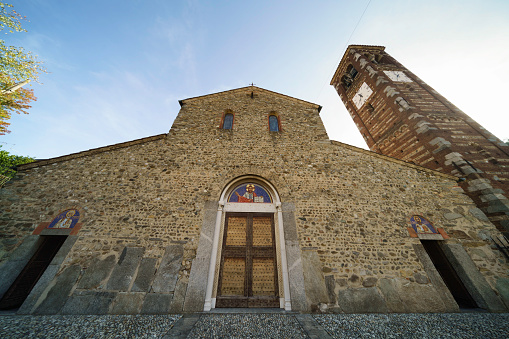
(223, 207)
(469, 274)
(19, 258)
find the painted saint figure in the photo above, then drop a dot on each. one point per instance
(66, 219)
(250, 195)
(65, 222)
(421, 225)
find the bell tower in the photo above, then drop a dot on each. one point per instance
(399, 115)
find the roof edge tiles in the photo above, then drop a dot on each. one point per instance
(39, 163)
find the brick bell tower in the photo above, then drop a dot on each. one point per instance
(401, 116)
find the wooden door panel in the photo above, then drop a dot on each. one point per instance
(236, 235)
(262, 231)
(233, 277)
(248, 270)
(263, 277)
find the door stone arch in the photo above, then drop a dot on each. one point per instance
(201, 291)
(230, 204)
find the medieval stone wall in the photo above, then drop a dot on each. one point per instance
(143, 206)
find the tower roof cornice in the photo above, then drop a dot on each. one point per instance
(343, 62)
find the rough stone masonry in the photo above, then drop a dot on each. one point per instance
(148, 210)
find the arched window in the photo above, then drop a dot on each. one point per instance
(273, 123)
(349, 76)
(228, 121)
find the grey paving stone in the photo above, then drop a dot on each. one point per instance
(416, 325)
(311, 327)
(247, 326)
(421, 326)
(183, 326)
(86, 326)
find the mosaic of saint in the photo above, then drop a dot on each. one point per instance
(421, 225)
(249, 193)
(66, 219)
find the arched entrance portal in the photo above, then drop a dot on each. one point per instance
(248, 266)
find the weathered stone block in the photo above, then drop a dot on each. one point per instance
(330, 283)
(145, 275)
(296, 277)
(195, 296)
(156, 303)
(88, 302)
(127, 303)
(123, 271)
(290, 227)
(197, 284)
(477, 213)
(316, 292)
(361, 300)
(10, 269)
(177, 303)
(391, 293)
(57, 293)
(369, 282)
(452, 216)
(441, 288)
(421, 298)
(97, 273)
(166, 276)
(502, 287)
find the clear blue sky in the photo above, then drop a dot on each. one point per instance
(117, 68)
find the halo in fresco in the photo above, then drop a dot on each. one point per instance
(66, 219)
(251, 193)
(421, 225)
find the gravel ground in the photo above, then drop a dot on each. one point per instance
(427, 325)
(86, 326)
(260, 325)
(247, 326)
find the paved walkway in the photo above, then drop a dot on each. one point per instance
(258, 325)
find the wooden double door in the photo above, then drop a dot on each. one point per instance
(248, 269)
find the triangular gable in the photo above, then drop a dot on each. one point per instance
(248, 90)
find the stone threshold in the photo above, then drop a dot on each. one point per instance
(249, 310)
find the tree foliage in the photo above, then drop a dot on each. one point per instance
(16, 65)
(7, 161)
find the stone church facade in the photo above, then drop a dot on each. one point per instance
(246, 202)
